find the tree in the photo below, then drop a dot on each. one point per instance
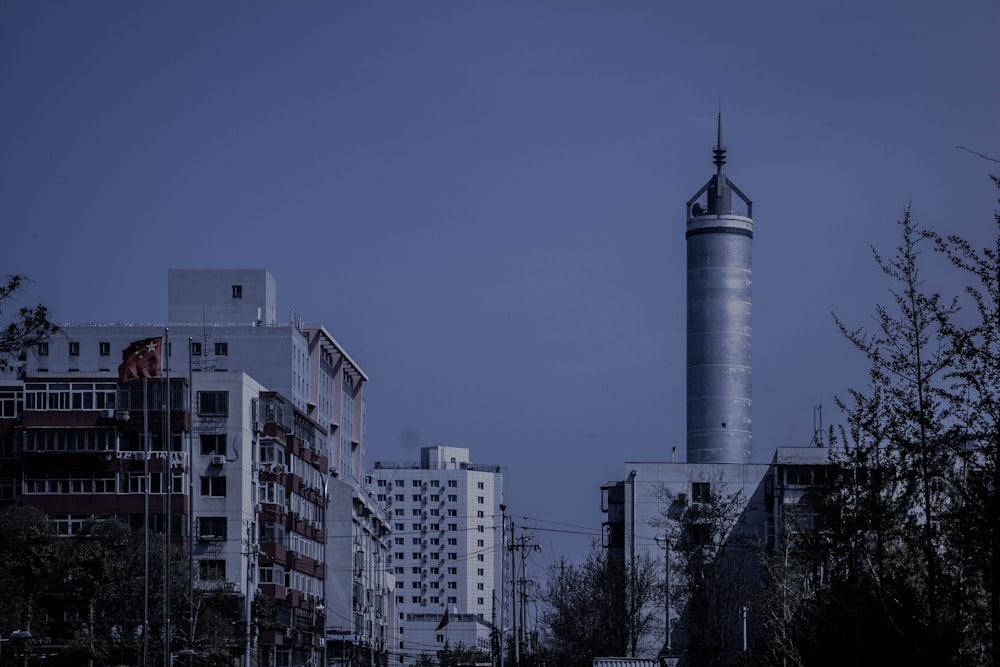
(715, 571)
(900, 462)
(30, 327)
(975, 403)
(589, 613)
(461, 656)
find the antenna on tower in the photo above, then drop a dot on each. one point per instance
(817, 438)
(719, 151)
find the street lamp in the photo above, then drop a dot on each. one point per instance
(664, 540)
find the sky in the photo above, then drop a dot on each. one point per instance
(484, 202)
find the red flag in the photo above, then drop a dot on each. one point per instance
(444, 620)
(141, 359)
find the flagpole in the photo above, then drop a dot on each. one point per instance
(168, 446)
(190, 466)
(145, 519)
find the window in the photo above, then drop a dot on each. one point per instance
(415, 526)
(452, 498)
(222, 349)
(43, 349)
(398, 526)
(452, 570)
(213, 443)
(481, 500)
(452, 526)
(399, 540)
(416, 483)
(105, 348)
(416, 497)
(479, 601)
(213, 486)
(74, 349)
(479, 571)
(452, 555)
(237, 291)
(415, 541)
(701, 492)
(452, 513)
(195, 348)
(453, 585)
(212, 527)
(452, 542)
(435, 497)
(452, 599)
(479, 515)
(479, 557)
(399, 497)
(400, 584)
(479, 543)
(439, 638)
(479, 529)
(214, 403)
(480, 485)
(212, 570)
(435, 483)
(452, 484)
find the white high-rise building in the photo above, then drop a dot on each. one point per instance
(447, 549)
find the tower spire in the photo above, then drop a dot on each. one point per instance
(720, 150)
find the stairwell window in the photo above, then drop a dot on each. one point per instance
(214, 487)
(237, 291)
(74, 349)
(222, 349)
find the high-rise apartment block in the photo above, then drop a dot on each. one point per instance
(447, 549)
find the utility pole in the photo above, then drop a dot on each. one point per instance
(513, 598)
(503, 561)
(524, 546)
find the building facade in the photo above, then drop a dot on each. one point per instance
(262, 426)
(447, 549)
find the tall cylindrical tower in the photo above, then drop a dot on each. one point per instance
(718, 321)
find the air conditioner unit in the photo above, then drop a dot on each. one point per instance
(218, 460)
(121, 415)
(140, 456)
(108, 414)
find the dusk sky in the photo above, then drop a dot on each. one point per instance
(484, 201)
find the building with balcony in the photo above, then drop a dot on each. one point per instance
(246, 456)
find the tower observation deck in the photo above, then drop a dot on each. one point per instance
(719, 329)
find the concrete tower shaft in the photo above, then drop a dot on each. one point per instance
(719, 328)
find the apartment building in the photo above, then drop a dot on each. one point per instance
(261, 430)
(446, 549)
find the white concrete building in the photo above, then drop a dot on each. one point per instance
(275, 413)
(446, 549)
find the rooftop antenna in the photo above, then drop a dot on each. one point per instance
(817, 438)
(720, 150)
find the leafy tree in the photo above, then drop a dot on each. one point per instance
(28, 554)
(30, 327)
